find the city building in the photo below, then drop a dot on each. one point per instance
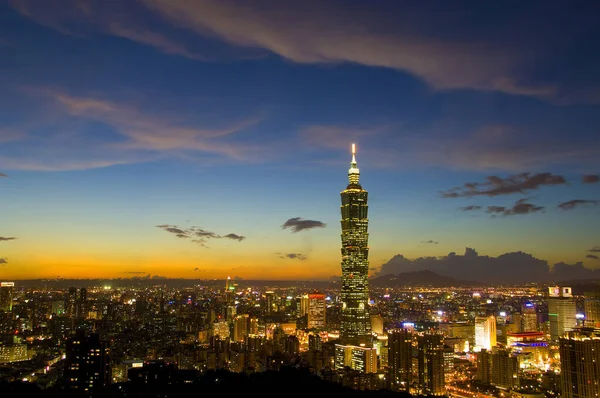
(431, 364)
(591, 304)
(363, 359)
(562, 311)
(505, 369)
(316, 311)
(529, 319)
(485, 332)
(355, 328)
(580, 363)
(400, 359)
(6, 296)
(87, 363)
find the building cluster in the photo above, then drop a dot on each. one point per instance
(520, 341)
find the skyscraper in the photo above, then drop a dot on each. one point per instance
(592, 309)
(6, 296)
(561, 311)
(400, 359)
(529, 322)
(431, 363)
(580, 363)
(87, 363)
(355, 324)
(485, 332)
(316, 311)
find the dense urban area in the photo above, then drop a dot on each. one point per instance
(453, 341)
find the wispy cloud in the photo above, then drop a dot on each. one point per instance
(3, 175)
(590, 179)
(297, 224)
(3, 261)
(520, 207)
(198, 235)
(141, 136)
(494, 185)
(5, 238)
(470, 208)
(592, 256)
(571, 204)
(134, 272)
(322, 33)
(156, 40)
(292, 256)
(239, 238)
(595, 249)
(431, 242)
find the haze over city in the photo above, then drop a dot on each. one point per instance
(208, 139)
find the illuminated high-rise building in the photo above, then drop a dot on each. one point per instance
(87, 363)
(580, 363)
(316, 311)
(6, 296)
(431, 364)
(400, 359)
(562, 311)
(529, 321)
(592, 309)
(485, 332)
(355, 324)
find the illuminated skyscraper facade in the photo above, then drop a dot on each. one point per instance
(6, 296)
(355, 324)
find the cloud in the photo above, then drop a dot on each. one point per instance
(571, 204)
(592, 256)
(197, 234)
(297, 224)
(470, 208)
(508, 268)
(595, 249)
(239, 238)
(134, 272)
(433, 242)
(590, 179)
(140, 134)
(520, 207)
(156, 40)
(321, 33)
(494, 186)
(414, 41)
(292, 256)
(3, 175)
(3, 261)
(5, 238)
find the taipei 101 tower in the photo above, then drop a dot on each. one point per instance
(355, 326)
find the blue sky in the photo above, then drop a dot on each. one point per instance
(236, 116)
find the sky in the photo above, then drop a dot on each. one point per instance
(211, 138)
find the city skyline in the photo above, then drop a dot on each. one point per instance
(209, 139)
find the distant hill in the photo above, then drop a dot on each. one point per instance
(418, 278)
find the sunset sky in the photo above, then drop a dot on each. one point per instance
(201, 139)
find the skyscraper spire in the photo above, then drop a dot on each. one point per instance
(354, 172)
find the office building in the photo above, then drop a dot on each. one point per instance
(363, 359)
(580, 363)
(6, 296)
(529, 319)
(316, 311)
(87, 363)
(400, 359)
(431, 364)
(561, 311)
(591, 304)
(505, 369)
(485, 332)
